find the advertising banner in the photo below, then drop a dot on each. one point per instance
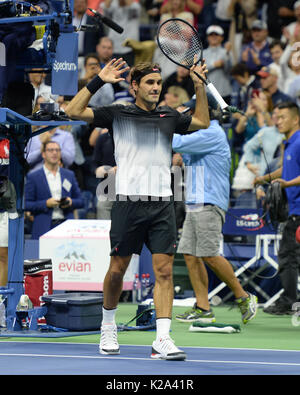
(65, 65)
(80, 254)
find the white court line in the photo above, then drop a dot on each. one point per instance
(149, 359)
(148, 345)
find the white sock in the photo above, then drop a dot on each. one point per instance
(163, 326)
(108, 316)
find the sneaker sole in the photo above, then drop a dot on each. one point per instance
(203, 320)
(171, 357)
(109, 352)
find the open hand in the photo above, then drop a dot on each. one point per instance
(113, 70)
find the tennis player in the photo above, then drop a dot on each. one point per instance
(144, 210)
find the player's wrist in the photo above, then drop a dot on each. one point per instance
(94, 85)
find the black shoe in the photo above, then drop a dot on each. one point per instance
(278, 310)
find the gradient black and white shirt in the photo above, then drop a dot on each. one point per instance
(143, 146)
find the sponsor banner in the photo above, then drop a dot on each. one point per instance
(81, 262)
(65, 65)
(246, 222)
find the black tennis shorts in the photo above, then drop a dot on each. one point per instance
(135, 223)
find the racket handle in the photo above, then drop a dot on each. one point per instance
(217, 96)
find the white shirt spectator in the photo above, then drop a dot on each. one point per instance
(54, 183)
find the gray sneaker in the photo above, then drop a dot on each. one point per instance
(248, 307)
(196, 315)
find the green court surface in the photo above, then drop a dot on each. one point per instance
(263, 332)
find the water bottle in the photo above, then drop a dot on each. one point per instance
(2, 312)
(144, 286)
(136, 289)
(148, 283)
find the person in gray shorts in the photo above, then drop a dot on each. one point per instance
(207, 159)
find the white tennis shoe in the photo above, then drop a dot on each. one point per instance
(164, 348)
(109, 340)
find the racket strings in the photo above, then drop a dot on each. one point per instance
(179, 42)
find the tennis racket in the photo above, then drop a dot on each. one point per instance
(181, 44)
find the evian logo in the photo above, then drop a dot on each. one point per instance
(250, 222)
(75, 263)
(64, 66)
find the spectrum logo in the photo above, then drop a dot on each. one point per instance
(64, 66)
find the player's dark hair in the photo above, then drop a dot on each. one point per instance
(142, 69)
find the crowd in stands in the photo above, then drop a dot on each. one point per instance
(253, 58)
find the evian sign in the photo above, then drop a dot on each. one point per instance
(75, 263)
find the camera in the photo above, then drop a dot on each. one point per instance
(62, 201)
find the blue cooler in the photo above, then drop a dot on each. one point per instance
(78, 311)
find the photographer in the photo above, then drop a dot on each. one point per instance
(288, 124)
(52, 192)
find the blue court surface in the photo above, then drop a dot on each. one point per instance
(44, 358)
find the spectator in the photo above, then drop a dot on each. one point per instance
(243, 86)
(51, 192)
(293, 89)
(257, 54)
(175, 97)
(127, 14)
(105, 50)
(37, 80)
(242, 14)
(280, 13)
(171, 7)
(269, 82)
(180, 77)
(263, 147)
(218, 60)
(153, 10)
(221, 16)
(62, 137)
(289, 60)
(176, 9)
(258, 115)
(291, 31)
(87, 41)
(277, 49)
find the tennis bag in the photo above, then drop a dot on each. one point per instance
(38, 281)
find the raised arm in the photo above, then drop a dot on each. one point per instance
(200, 118)
(78, 106)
